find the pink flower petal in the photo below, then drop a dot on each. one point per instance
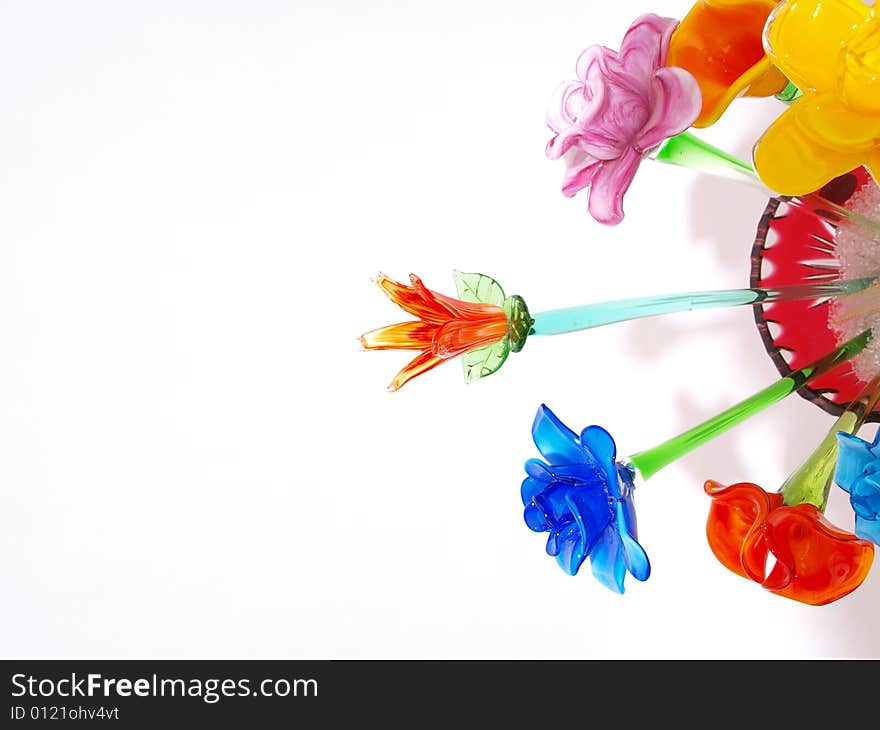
(609, 184)
(591, 63)
(567, 102)
(575, 107)
(622, 105)
(579, 171)
(605, 144)
(562, 117)
(677, 103)
(646, 44)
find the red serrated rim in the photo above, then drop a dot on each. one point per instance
(795, 245)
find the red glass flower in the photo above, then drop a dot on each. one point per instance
(816, 562)
(446, 327)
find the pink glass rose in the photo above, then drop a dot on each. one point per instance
(620, 107)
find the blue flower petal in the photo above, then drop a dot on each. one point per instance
(557, 443)
(634, 556)
(551, 501)
(553, 543)
(865, 498)
(875, 444)
(868, 529)
(571, 473)
(530, 489)
(535, 519)
(607, 563)
(600, 447)
(571, 551)
(537, 469)
(583, 473)
(592, 513)
(853, 456)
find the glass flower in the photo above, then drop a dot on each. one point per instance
(858, 473)
(483, 325)
(584, 499)
(830, 49)
(620, 107)
(719, 43)
(816, 562)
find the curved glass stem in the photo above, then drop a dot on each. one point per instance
(572, 319)
(649, 462)
(811, 482)
(686, 150)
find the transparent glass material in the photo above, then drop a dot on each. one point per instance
(483, 326)
(858, 474)
(572, 319)
(649, 462)
(815, 562)
(583, 498)
(828, 49)
(797, 242)
(719, 43)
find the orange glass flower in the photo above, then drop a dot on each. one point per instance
(719, 43)
(446, 327)
(816, 562)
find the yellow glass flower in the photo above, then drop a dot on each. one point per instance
(830, 49)
(719, 43)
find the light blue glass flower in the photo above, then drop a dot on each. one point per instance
(584, 499)
(858, 472)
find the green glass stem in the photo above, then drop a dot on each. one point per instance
(790, 93)
(686, 150)
(649, 462)
(811, 482)
(572, 319)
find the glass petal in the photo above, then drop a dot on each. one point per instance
(868, 529)
(591, 511)
(646, 44)
(606, 561)
(599, 446)
(791, 161)
(557, 443)
(806, 39)
(571, 553)
(634, 556)
(853, 456)
(609, 184)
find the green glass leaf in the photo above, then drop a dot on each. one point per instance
(484, 361)
(519, 321)
(478, 289)
(482, 289)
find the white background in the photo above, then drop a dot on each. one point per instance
(196, 460)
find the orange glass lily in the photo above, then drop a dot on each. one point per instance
(816, 562)
(830, 49)
(719, 43)
(448, 327)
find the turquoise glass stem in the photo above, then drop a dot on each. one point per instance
(647, 463)
(572, 319)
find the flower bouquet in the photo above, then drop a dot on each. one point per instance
(813, 286)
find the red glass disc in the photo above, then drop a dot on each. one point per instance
(795, 244)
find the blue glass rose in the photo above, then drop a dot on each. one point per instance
(584, 499)
(858, 472)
